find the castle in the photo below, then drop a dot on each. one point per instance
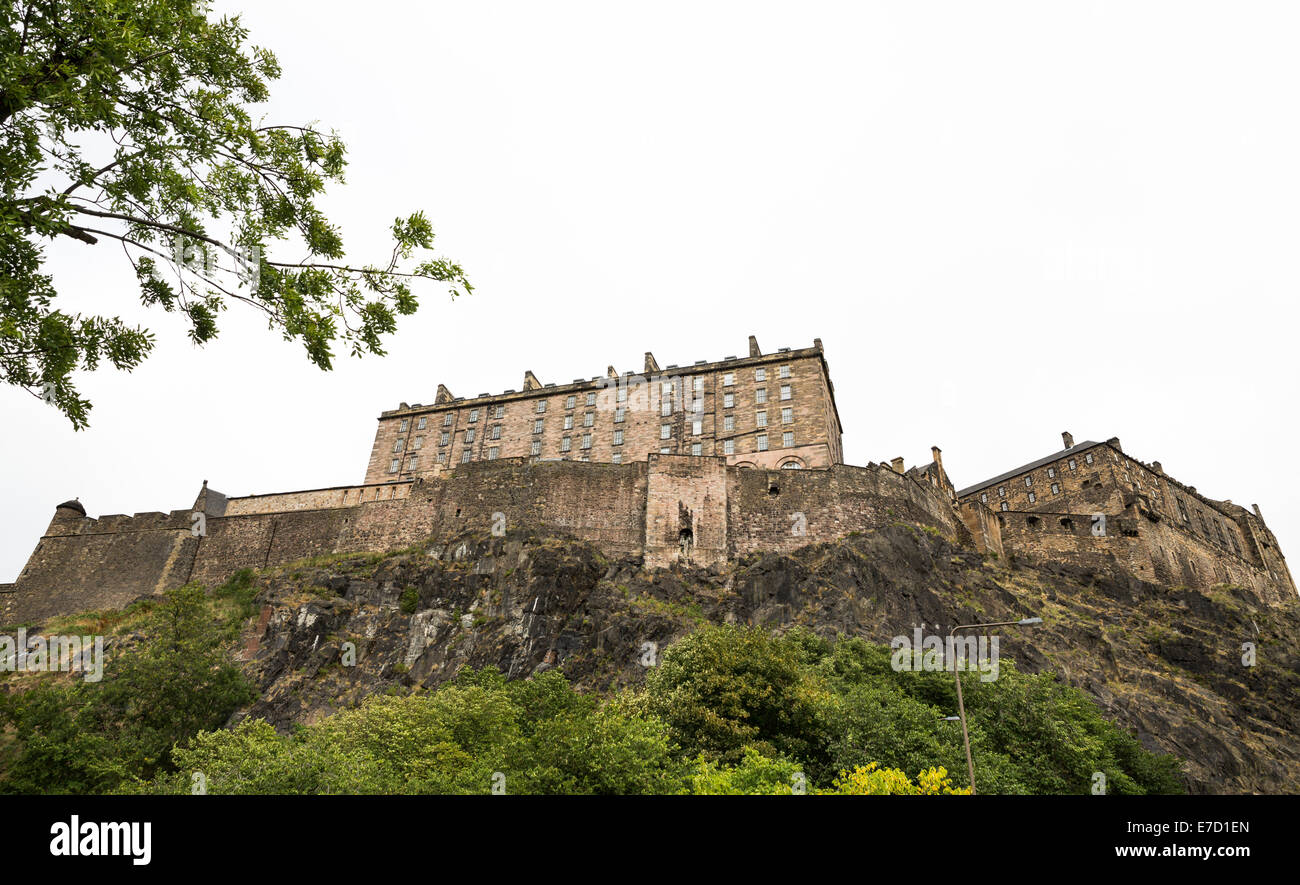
(696, 464)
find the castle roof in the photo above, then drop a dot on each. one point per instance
(1032, 465)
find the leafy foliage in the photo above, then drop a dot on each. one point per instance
(131, 121)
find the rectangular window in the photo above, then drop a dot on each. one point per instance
(728, 447)
(762, 442)
(1056, 488)
(666, 406)
(446, 420)
(537, 447)
(442, 457)
(399, 445)
(444, 438)
(760, 374)
(541, 406)
(697, 427)
(760, 419)
(760, 395)
(538, 424)
(984, 499)
(500, 412)
(1005, 506)
(419, 443)
(665, 431)
(698, 382)
(618, 415)
(566, 443)
(405, 424)
(729, 423)
(586, 440)
(496, 431)
(1032, 497)
(570, 401)
(1029, 481)
(1002, 491)
(697, 449)
(422, 423)
(591, 399)
(665, 451)
(1088, 457)
(787, 416)
(728, 400)
(786, 393)
(618, 437)
(1073, 464)
(622, 394)
(1051, 473)
(787, 439)
(588, 418)
(464, 457)
(785, 371)
(469, 435)
(395, 465)
(618, 458)
(473, 415)
(728, 379)
(568, 422)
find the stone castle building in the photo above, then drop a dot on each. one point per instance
(693, 465)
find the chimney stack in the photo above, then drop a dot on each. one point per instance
(753, 347)
(1068, 439)
(937, 453)
(897, 464)
(1155, 465)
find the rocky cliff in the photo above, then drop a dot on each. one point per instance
(1167, 663)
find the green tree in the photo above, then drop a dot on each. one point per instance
(132, 123)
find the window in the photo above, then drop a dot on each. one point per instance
(760, 394)
(568, 422)
(566, 443)
(395, 465)
(500, 412)
(541, 406)
(399, 445)
(538, 424)
(787, 416)
(469, 435)
(1182, 511)
(785, 371)
(728, 379)
(618, 437)
(728, 447)
(570, 402)
(496, 431)
(1032, 497)
(622, 394)
(1056, 488)
(1051, 473)
(728, 400)
(984, 497)
(787, 439)
(1088, 457)
(588, 418)
(591, 399)
(1002, 491)
(786, 392)
(442, 457)
(473, 415)
(792, 465)
(446, 420)
(618, 415)
(762, 442)
(422, 423)
(665, 451)
(760, 419)
(665, 431)
(618, 458)
(1073, 463)
(1006, 506)
(406, 422)
(698, 382)
(697, 449)
(729, 423)
(760, 374)
(444, 438)
(1029, 481)
(412, 462)
(536, 447)
(697, 427)
(464, 457)
(586, 440)
(419, 443)
(666, 406)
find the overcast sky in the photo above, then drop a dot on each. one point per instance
(1004, 220)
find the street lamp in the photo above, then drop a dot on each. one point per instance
(961, 706)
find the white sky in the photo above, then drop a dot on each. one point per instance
(1004, 220)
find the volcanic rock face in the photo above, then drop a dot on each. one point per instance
(1211, 677)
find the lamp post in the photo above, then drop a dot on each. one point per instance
(961, 706)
